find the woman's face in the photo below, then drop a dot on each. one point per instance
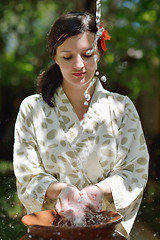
(76, 66)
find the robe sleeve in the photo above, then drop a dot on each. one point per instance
(32, 179)
(129, 176)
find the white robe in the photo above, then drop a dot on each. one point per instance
(51, 144)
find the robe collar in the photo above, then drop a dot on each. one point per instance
(66, 113)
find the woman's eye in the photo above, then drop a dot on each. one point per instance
(67, 58)
(87, 56)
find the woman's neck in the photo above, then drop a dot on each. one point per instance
(76, 96)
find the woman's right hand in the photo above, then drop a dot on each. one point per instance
(70, 205)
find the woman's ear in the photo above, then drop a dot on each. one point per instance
(55, 59)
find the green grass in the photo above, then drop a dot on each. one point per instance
(6, 167)
(11, 210)
(150, 208)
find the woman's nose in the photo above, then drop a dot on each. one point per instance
(79, 63)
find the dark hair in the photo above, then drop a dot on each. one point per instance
(67, 25)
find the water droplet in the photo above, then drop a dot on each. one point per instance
(86, 93)
(87, 96)
(95, 58)
(103, 79)
(86, 103)
(89, 52)
(155, 234)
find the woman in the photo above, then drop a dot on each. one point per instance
(66, 150)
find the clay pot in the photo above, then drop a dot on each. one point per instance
(43, 225)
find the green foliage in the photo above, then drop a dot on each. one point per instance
(23, 39)
(133, 58)
(6, 167)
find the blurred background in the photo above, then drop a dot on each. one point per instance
(131, 65)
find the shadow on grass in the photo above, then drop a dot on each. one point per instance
(11, 209)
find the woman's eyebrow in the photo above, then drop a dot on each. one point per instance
(66, 51)
(85, 49)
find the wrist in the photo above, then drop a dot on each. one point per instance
(105, 188)
(54, 190)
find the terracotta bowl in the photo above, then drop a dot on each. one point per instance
(44, 225)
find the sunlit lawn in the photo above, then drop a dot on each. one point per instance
(11, 210)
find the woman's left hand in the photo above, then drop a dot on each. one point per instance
(93, 196)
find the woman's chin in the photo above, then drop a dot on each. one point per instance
(83, 81)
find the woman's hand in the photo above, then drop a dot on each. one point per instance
(93, 196)
(74, 205)
(70, 205)
(68, 197)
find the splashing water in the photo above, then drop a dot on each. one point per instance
(98, 24)
(86, 93)
(98, 13)
(93, 49)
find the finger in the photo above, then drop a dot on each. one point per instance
(58, 206)
(68, 214)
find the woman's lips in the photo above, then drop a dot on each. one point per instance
(79, 74)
